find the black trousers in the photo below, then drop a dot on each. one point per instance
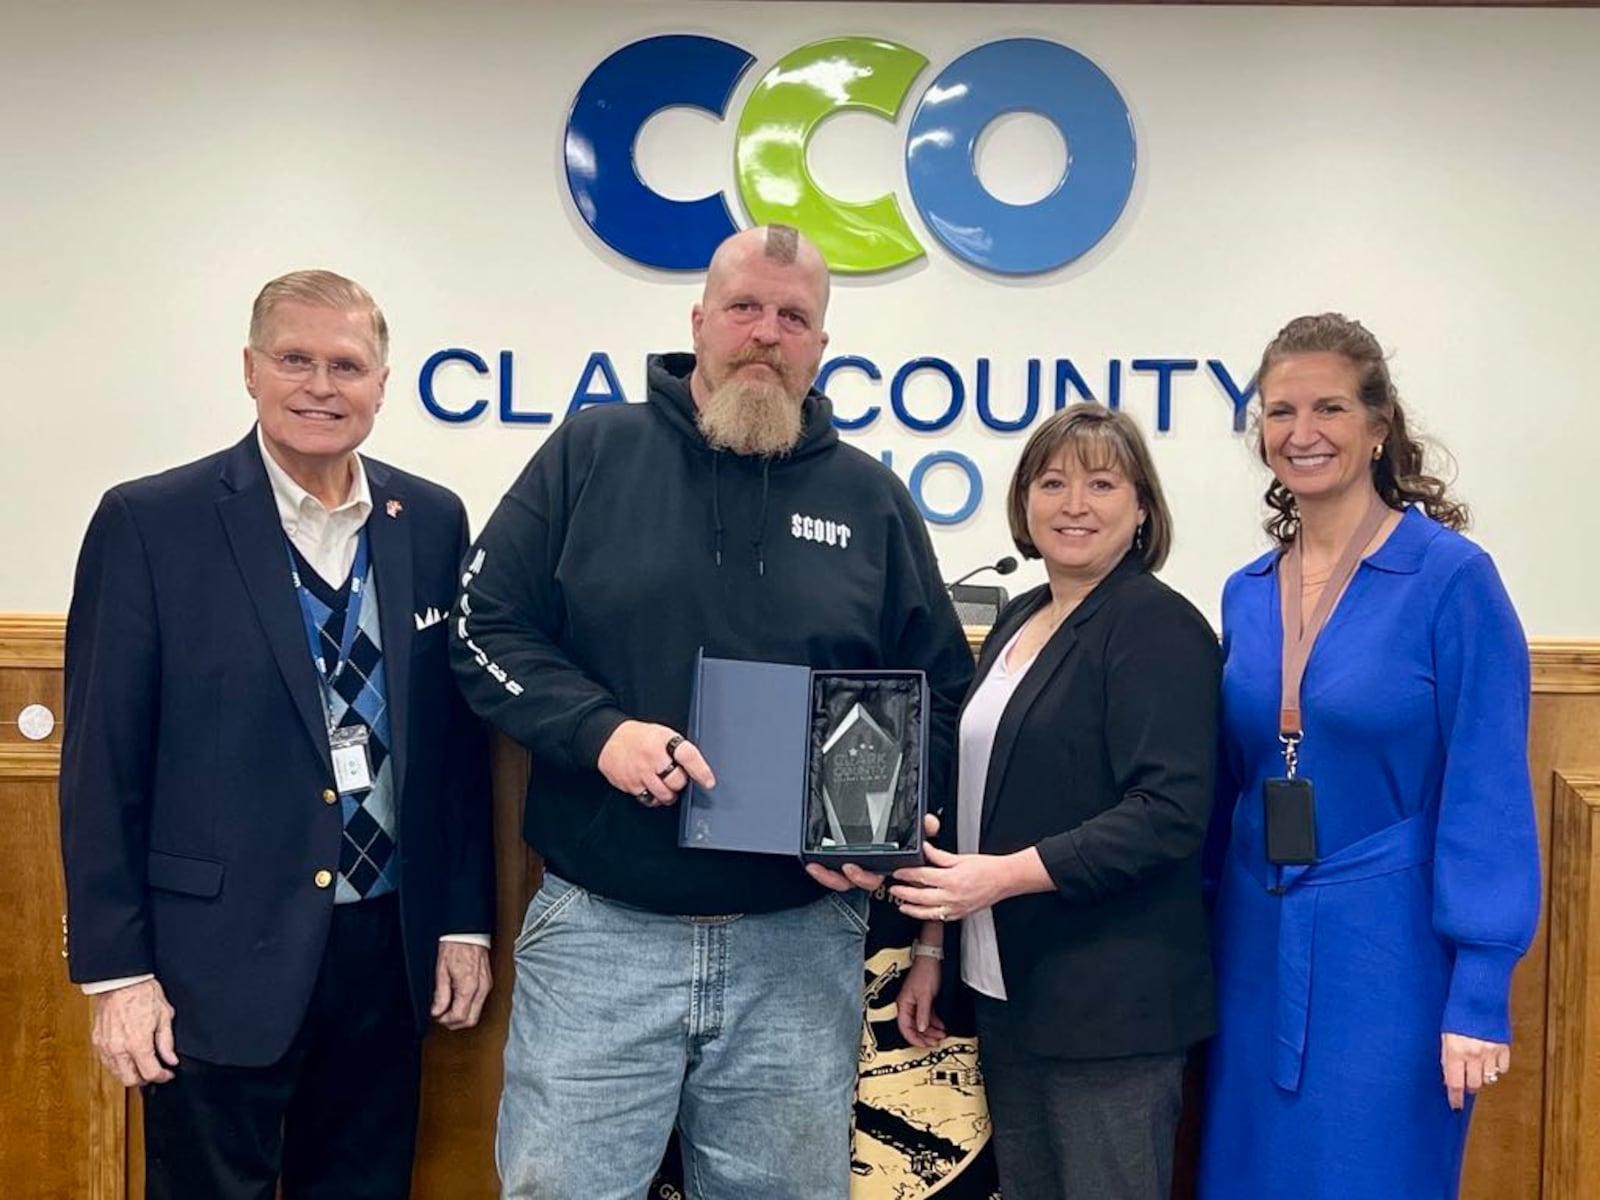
(1070, 1129)
(336, 1117)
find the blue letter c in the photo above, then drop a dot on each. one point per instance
(620, 95)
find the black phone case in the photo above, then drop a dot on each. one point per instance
(1291, 816)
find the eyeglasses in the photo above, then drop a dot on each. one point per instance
(303, 366)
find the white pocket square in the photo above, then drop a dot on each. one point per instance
(427, 619)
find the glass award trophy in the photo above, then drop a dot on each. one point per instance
(860, 766)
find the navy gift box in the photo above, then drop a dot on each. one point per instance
(767, 729)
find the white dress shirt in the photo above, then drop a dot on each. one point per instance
(327, 539)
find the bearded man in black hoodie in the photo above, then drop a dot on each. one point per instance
(720, 993)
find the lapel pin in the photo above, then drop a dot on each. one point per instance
(394, 508)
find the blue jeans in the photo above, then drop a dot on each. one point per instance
(742, 1030)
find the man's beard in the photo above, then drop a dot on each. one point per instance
(758, 418)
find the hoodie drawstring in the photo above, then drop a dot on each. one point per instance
(716, 508)
(761, 518)
(756, 543)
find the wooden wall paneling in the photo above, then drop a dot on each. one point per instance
(62, 1116)
(1572, 1093)
(461, 1072)
(135, 1149)
(1505, 1154)
(62, 1113)
(30, 640)
(1566, 667)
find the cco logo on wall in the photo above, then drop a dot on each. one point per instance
(804, 88)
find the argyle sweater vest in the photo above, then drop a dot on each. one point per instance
(357, 697)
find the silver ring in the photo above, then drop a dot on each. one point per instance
(645, 797)
(942, 912)
(1491, 1076)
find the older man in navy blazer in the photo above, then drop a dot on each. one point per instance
(274, 804)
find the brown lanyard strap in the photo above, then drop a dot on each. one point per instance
(1298, 640)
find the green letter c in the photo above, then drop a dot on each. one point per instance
(792, 99)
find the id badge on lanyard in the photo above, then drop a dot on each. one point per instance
(352, 762)
(1289, 801)
(347, 745)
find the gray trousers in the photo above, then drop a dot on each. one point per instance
(1078, 1129)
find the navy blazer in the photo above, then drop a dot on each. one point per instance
(1104, 760)
(195, 772)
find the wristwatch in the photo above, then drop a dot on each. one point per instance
(922, 950)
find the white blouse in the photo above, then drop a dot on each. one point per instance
(980, 953)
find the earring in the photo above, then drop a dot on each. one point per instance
(1377, 452)
(1138, 537)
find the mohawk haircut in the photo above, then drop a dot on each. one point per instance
(782, 244)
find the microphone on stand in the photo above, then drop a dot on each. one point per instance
(978, 604)
(1005, 566)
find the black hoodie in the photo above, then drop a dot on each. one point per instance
(628, 543)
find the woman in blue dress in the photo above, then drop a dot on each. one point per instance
(1363, 995)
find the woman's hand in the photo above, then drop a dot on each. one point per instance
(919, 1024)
(851, 876)
(953, 886)
(1470, 1064)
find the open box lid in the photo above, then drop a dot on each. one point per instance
(751, 721)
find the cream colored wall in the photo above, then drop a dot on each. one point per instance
(1432, 172)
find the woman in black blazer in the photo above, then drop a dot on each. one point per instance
(1084, 788)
